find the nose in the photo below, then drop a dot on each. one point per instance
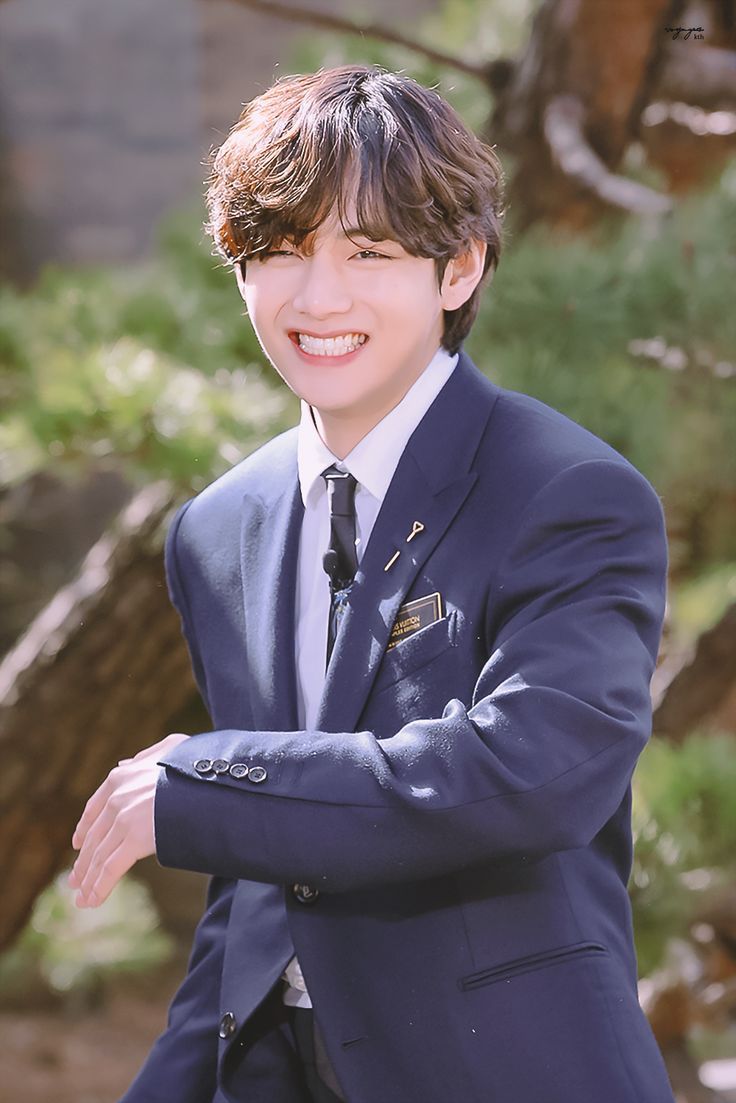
(322, 288)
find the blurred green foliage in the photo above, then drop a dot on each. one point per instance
(685, 836)
(65, 950)
(153, 365)
(564, 314)
(633, 334)
(697, 603)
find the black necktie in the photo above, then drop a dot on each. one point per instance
(340, 560)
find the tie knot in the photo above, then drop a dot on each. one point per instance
(340, 491)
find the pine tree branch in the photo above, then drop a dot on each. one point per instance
(576, 159)
(489, 72)
(704, 76)
(700, 122)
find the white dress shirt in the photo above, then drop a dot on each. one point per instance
(372, 464)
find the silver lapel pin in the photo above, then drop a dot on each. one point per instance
(392, 560)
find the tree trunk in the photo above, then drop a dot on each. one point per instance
(98, 676)
(686, 693)
(573, 104)
(595, 77)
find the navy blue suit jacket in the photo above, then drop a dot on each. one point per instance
(463, 806)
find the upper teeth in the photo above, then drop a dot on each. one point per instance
(331, 346)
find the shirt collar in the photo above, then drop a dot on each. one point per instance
(374, 459)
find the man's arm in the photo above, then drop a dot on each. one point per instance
(539, 762)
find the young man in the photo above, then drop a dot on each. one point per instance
(419, 855)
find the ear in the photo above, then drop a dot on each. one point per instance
(462, 276)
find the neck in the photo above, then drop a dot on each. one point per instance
(342, 430)
(339, 435)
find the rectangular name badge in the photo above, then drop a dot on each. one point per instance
(415, 615)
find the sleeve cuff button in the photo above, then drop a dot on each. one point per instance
(257, 774)
(238, 770)
(203, 766)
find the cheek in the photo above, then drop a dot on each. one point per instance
(264, 297)
(261, 318)
(254, 299)
(417, 289)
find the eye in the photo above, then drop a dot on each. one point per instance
(276, 253)
(372, 253)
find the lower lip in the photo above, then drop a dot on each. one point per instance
(324, 361)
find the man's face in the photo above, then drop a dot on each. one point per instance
(382, 306)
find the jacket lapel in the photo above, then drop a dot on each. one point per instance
(430, 484)
(269, 554)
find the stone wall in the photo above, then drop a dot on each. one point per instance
(108, 109)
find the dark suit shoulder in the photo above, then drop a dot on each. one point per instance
(269, 465)
(530, 450)
(524, 436)
(211, 522)
(537, 442)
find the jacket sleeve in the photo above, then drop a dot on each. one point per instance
(182, 1063)
(538, 761)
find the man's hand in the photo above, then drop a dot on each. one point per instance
(116, 828)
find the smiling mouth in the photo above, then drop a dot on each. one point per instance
(328, 346)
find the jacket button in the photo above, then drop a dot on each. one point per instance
(228, 1025)
(257, 774)
(220, 766)
(238, 769)
(203, 766)
(305, 894)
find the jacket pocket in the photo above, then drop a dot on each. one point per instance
(529, 964)
(416, 651)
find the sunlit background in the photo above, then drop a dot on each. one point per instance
(130, 378)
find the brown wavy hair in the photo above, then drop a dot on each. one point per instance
(415, 171)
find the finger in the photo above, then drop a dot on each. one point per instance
(92, 809)
(92, 840)
(96, 859)
(99, 859)
(112, 870)
(127, 817)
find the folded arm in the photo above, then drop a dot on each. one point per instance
(538, 761)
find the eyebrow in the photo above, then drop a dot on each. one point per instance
(356, 231)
